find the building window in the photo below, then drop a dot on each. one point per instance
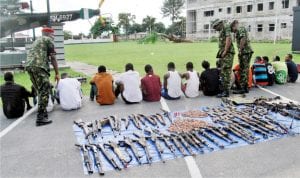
(249, 28)
(238, 9)
(259, 28)
(220, 9)
(283, 25)
(249, 8)
(298, 2)
(208, 13)
(191, 22)
(260, 7)
(271, 5)
(285, 4)
(206, 28)
(271, 27)
(228, 10)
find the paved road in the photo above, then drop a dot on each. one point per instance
(29, 151)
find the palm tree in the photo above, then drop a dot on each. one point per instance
(149, 22)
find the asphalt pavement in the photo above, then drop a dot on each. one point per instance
(48, 151)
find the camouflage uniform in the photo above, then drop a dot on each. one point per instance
(244, 55)
(227, 61)
(39, 71)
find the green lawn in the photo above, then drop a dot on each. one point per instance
(23, 79)
(115, 55)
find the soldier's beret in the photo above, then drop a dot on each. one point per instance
(216, 22)
(48, 30)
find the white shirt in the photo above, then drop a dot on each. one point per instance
(69, 93)
(131, 81)
(192, 85)
(174, 84)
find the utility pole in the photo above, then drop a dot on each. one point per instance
(33, 30)
(48, 13)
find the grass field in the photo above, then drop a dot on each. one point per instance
(115, 55)
(23, 79)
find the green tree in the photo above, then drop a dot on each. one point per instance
(135, 28)
(178, 28)
(125, 20)
(148, 23)
(159, 27)
(67, 35)
(98, 28)
(172, 9)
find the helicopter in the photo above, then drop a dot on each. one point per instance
(13, 20)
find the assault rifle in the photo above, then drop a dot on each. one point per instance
(150, 119)
(178, 144)
(116, 149)
(115, 125)
(202, 142)
(108, 156)
(210, 138)
(97, 160)
(129, 143)
(85, 127)
(155, 140)
(191, 141)
(143, 142)
(86, 158)
(166, 140)
(184, 143)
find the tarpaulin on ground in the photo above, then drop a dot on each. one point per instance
(167, 154)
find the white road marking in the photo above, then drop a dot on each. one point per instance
(276, 94)
(192, 166)
(189, 160)
(18, 121)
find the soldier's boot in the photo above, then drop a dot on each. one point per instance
(223, 94)
(246, 89)
(42, 119)
(241, 91)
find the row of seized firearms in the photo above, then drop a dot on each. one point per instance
(91, 129)
(290, 109)
(150, 141)
(179, 144)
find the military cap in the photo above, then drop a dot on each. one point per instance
(48, 30)
(216, 22)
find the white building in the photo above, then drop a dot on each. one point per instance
(264, 19)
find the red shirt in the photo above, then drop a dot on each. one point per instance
(151, 87)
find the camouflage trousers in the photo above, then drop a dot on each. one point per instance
(226, 70)
(244, 61)
(40, 81)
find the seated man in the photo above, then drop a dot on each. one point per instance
(172, 84)
(150, 85)
(14, 97)
(292, 68)
(128, 84)
(270, 70)
(210, 79)
(281, 70)
(237, 76)
(260, 74)
(102, 86)
(69, 92)
(191, 88)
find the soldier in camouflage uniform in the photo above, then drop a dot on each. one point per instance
(41, 53)
(225, 54)
(245, 54)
